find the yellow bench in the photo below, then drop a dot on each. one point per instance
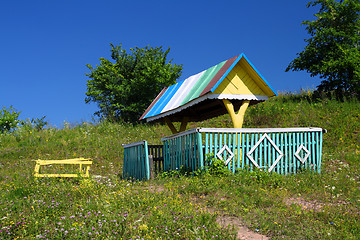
(79, 161)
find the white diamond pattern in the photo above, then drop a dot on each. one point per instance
(225, 147)
(257, 144)
(302, 147)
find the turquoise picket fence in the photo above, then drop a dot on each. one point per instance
(183, 150)
(281, 150)
(136, 161)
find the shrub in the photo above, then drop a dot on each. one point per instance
(34, 124)
(8, 119)
(213, 166)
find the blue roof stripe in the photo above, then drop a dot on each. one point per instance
(158, 103)
(165, 98)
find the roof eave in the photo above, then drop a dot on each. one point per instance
(206, 97)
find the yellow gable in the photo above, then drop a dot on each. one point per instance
(243, 80)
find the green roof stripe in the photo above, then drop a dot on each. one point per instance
(204, 80)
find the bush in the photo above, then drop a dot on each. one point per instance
(213, 166)
(8, 119)
(37, 124)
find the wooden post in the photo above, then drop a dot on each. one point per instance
(183, 125)
(236, 118)
(151, 166)
(170, 125)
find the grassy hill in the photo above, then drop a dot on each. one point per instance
(302, 206)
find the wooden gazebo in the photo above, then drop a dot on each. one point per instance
(228, 87)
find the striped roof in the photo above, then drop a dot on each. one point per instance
(198, 88)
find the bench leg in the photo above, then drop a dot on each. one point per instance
(37, 170)
(87, 171)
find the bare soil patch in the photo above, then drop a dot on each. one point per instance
(306, 204)
(225, 220)
(242, 231)
(155, 188)
(311, 204)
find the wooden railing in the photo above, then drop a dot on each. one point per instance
(142, 161)
(183, 150)
(280, 150)
(136, 161)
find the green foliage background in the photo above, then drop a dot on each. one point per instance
(124, 88)
(8, 119)
(333, 50)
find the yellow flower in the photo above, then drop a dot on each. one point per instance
(143, 227)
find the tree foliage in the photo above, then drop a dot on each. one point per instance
(332, 51)
(8, 119)
(125, 87)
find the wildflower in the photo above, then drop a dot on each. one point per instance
(143, 227)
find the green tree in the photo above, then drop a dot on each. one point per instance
(8, 119)
(124, 88)
(332, 51)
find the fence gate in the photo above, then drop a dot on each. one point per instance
(136, 161)
(142, 161)
(156, 159)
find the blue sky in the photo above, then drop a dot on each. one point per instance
(45, 45)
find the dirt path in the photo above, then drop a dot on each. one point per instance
(223, 220)
(242, 231)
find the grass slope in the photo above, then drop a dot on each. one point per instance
(302, 206)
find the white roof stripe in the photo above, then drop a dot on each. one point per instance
(182, 92)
